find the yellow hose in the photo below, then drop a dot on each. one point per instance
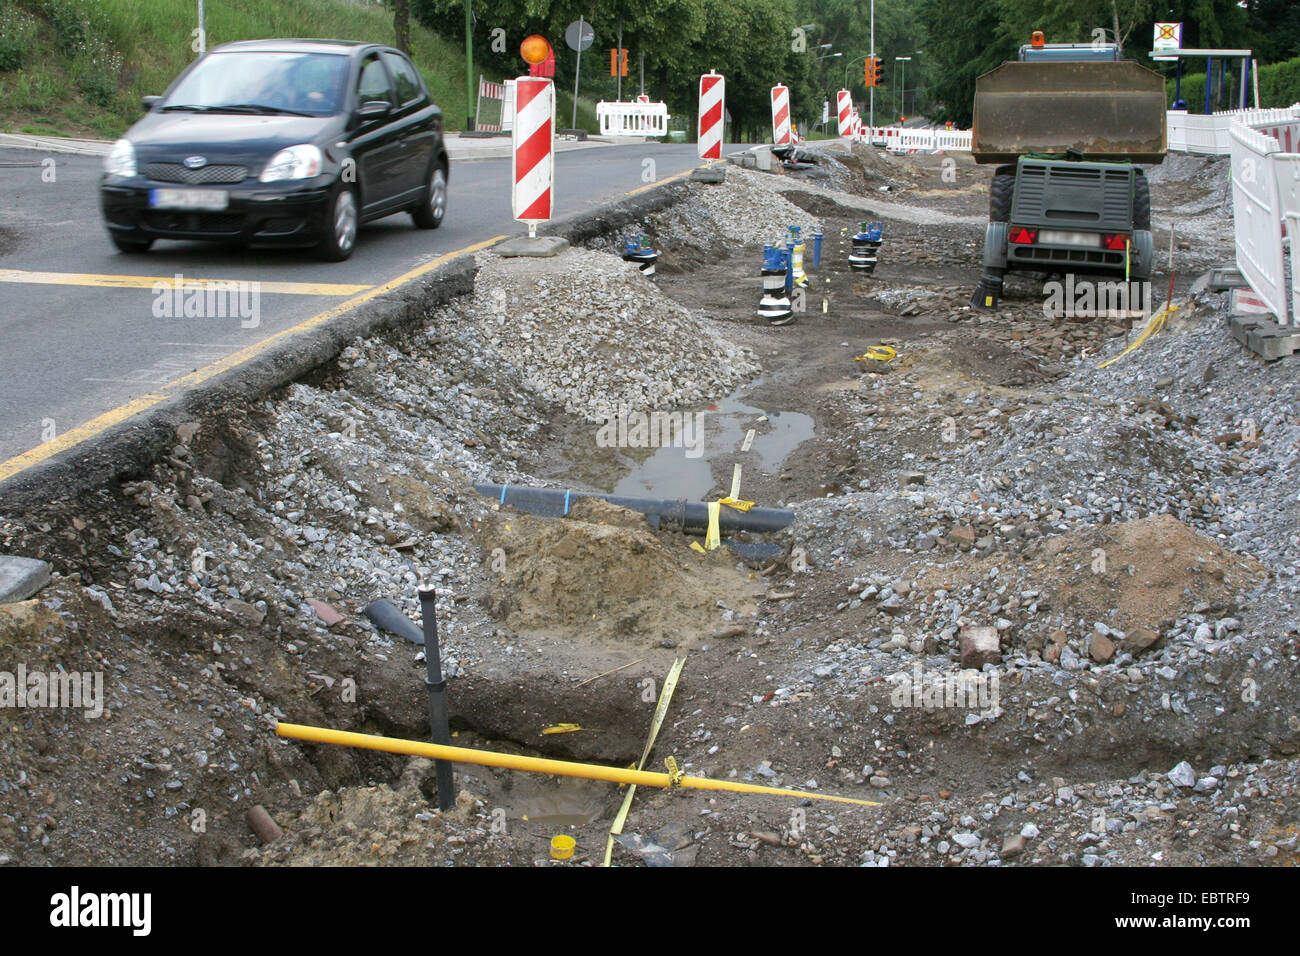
(562, 768)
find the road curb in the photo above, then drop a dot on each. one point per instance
(91, 470)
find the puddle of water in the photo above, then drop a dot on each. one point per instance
(682, 469)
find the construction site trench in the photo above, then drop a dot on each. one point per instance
(1128, 536)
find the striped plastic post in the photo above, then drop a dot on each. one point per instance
(712, 97)
(844, 102)
(780, 115)
(533, 155)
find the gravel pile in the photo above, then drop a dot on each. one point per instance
(747, 211)
(633, 345)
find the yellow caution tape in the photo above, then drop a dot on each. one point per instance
(713, 537)
(878, 353)
(737, 503)
(695, 546)
(1152, 327)
(562, 729)
(661, 712)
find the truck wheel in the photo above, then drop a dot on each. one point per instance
(1000, 193)
(1141, 201)
(1143, 256)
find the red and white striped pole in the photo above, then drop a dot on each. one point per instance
(844, 104)
(780, 115)
(713, 90)
(533, 156)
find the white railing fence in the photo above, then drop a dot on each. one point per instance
(632, 119)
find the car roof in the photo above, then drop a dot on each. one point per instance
(343, 47)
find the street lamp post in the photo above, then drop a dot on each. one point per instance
(902, 83)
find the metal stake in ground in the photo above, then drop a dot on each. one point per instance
(437, 685)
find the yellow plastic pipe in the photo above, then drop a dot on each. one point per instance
(562, 768)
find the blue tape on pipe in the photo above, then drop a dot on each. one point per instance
(566, 502)
(503, 493)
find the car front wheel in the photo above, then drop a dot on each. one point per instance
(433, 204)
(342, 222)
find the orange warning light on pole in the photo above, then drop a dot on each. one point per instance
(534, 49)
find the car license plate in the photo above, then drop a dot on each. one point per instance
(1053, 238)
(188, 199)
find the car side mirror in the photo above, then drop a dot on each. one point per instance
(372, 109)
(149, 102)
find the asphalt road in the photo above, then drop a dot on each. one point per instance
(81, 343)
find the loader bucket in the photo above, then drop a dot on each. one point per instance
(1106, 110)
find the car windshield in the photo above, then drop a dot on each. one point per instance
(307, 84)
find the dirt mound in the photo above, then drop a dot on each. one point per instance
(609, 578)
(1143, 573)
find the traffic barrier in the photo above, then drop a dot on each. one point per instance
(490, 108)
(713, 90)
(1208, 135)
(959, 139)
(780, 115)
(633, 119)
(845, 112)
(1257, 216)
(1287, 167)
(533, 153)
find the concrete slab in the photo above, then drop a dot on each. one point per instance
(1265, 337)
(1224, 278)
(20, 578)
(539, 247)
(709, 174)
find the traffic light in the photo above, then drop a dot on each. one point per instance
(618, 62)
(874, 72)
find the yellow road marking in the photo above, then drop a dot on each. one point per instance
(187, 282)
(122, 412)
(76, 435)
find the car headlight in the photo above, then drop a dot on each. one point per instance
(120, 160)
(296, 162)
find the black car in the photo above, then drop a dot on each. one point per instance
(279, 142)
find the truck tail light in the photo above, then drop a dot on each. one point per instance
(1023, 236)
(1117, 241)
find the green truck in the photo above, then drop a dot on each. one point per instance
(1066, 123)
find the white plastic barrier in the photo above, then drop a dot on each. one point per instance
(632, 119)
(953, 139)
(1287, 168)
(1257, 215)
(1208, 135)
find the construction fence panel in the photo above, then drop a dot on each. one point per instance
(1287, 169)
(1257, 215)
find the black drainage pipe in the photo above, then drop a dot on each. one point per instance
(437, 685)
(555, 503)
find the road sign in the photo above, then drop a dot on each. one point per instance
(1168, 36)
(579, 36)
